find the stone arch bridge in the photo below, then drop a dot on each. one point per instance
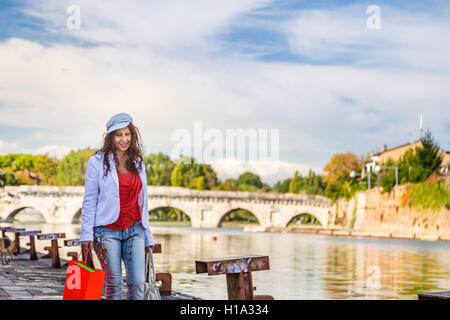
(205, 208)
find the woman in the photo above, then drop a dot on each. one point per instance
(115, 208)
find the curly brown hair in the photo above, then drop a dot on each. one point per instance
(134, 152)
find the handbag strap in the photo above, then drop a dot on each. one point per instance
(89, 251)
(149, 268)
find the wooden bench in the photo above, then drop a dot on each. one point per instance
(3, 230)
(238, 271)
(435, 296)
(31, 234)
(16, 239)
(53, 250)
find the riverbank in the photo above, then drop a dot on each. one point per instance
(25, 279)
(356, 234)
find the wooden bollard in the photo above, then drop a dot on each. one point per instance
(166, 287)
(31, 234)
(165, 277)
(434, 296)
(54, 249)
(16, 239)
(238, 271)
(157, 248)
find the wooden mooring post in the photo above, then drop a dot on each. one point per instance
(165, 277)
(238, 271)
(31, 234)
(53, 250)
(434, 295)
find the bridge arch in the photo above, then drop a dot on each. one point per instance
(154, 208)
(76, 219)
(320, 214)
(10, 217)
(230, 211)
(305, 218)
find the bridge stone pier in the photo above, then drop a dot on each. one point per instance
(205, 208)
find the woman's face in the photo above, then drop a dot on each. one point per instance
(122, 139)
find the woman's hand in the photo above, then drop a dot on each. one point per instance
(87, 245)
(147, 249)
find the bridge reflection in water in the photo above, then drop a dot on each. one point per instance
(301, 266)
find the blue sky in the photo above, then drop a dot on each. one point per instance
(311, 69)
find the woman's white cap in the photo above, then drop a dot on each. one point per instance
(118, 121)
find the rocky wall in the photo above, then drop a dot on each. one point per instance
(374, 212)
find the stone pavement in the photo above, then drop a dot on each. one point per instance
(25, 279)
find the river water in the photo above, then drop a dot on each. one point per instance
(302, 266)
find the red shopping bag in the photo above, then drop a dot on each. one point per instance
(82, 282)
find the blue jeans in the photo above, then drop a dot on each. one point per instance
(113, 246)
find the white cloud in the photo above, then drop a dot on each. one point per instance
(165, 74)
(83, 87)
(161, 25)
(51, 150)
(406, 39)
(8, 147)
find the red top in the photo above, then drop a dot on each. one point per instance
(130, 185)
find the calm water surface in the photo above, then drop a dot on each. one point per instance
(301, 266)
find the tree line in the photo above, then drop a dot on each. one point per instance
(415, 166)
(26, 169)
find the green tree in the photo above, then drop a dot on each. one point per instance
(7, 160)
(72, 168)
(200, 183)
(8, 178)
(228, 185)
(340, 166)
(249, 179)
(46, 169)
(296, 183)
(282, 187)
(23, 162)
(23, 179)
(177, 176)
(191, 171)
(427, 156)
(415, 165)
(18, 162)
(160, 168)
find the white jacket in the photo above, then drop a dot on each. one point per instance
(101, 203)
